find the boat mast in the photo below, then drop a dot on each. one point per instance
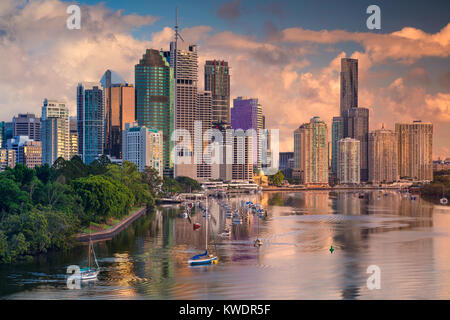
(206, 217)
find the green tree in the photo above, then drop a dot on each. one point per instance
(154, 182)
(101, 198)
(277, 179)
(12, 199)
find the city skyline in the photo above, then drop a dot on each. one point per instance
(396, 84)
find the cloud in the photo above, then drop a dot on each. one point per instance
(230, 11)
(45, 60)
(406, 45)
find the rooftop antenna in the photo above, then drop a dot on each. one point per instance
(175, 71)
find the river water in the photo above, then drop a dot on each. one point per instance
(409, 240)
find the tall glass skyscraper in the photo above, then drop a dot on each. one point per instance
(349, 84)
(154, 82)
(217, 80)
(119, 109)
(337, 133)
(357, 127)
(90, 121)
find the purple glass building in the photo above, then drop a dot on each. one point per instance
(244, 114)
(247, 114)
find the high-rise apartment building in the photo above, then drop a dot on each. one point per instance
(357, 127)
(119, 109)
(55, 128)
(143, 147)
(348, 161)
(415, 150)
(383, 156)
(311, 153)
(217, 80)
(349, 84)
(27, 125)
(337, 133)
(90, 120)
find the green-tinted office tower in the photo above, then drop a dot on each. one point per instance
(154, 82)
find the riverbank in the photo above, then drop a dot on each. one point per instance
(278, 189)
(113, 231)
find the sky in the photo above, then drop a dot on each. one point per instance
(285, 53)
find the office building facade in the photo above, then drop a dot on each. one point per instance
(27, 125)
(383, 156)
(217, 80)
(143, 147)
(90, 121)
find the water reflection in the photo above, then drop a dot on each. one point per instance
(407, 239)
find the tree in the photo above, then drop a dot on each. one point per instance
(13, 200)
(151, 177)
(277, 179)
(101, 198)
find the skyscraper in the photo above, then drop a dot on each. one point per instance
(119, 109)
(415, 150)
(27, 125)
(337, 133)
(349, 84)
(349, 162)
(73, 137)
(247, 114)
(311, 153)
(383, 156)
(154, 81)
(143, 147)
(217, 80)
(90, 118)
(55, 131)
(184, 60)
(242, 167)
(204, 110)
(357, 127)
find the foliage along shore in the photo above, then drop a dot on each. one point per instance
(439, 187)
(42, 209)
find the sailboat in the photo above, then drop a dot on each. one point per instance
(90, 273)
(258, 242)
(443, 200)
(204, 258)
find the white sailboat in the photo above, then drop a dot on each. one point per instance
(90, 273)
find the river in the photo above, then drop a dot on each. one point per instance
(408, 240)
